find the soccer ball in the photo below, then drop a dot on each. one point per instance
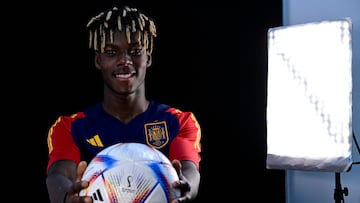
(130, 173)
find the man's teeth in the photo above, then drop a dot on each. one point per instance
(123, 75)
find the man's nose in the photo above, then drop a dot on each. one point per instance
(125, 59)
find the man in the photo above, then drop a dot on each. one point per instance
(123, 42)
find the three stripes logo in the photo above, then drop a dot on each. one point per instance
(95, 141)
(97, 196)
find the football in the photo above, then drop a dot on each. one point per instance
(130, 173)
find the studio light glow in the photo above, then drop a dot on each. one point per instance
(309, 96)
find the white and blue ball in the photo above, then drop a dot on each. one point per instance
(130, 173)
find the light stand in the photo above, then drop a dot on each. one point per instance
(339, 192)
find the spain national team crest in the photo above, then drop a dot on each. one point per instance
(156, 134)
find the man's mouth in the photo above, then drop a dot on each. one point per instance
(125, 75)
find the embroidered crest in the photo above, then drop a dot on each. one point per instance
(156, 134)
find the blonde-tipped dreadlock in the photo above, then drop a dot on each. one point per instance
(126, 19)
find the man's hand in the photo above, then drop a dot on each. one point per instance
(182, 184)
(73, 195)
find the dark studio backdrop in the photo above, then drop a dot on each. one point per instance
(209, 58)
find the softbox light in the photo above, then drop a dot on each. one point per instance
(309, 96)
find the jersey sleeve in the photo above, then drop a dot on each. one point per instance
(61, 144)
(186, 145)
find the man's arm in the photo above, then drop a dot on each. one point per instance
(189, 176)
(64, 181)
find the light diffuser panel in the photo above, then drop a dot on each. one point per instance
(309, 96)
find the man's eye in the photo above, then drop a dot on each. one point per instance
(110, 52)
(135, 51)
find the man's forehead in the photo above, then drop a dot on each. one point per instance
(132, 39)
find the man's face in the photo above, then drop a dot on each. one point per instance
(123, 65)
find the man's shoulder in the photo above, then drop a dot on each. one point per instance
(167, 108)
(81, 113)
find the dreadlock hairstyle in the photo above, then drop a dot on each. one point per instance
(129, 20)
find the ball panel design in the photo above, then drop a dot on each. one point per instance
(130, 173)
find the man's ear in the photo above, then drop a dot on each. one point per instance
(97, 60)
(149, 60)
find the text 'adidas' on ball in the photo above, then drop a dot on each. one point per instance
(130, 173)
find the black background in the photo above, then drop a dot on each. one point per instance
(209, 58)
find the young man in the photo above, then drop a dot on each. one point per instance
(122, 39)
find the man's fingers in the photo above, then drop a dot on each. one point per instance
(80, 170)
(177, 165)
(183, 185)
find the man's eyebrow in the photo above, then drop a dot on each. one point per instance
(136, 43)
